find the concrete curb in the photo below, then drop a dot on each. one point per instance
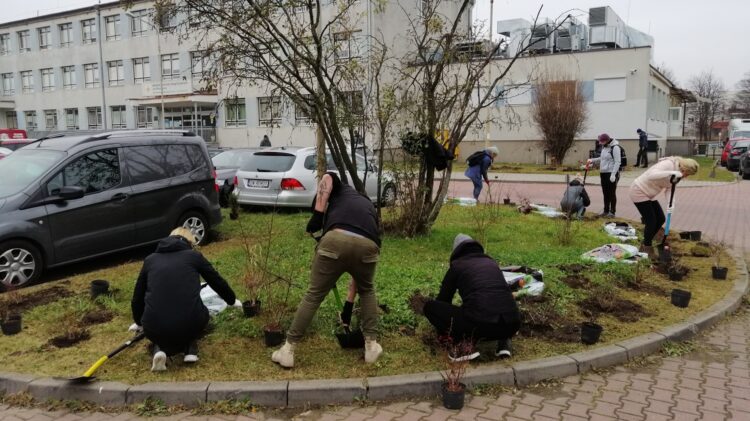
(297, 393)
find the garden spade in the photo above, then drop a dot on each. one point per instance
(665, 253)
(348, 339)
(89, 374)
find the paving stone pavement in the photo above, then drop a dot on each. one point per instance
(710, 383)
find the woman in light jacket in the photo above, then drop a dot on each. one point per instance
(648, 185)
(609, 165)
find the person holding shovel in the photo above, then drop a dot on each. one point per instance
(609, 164)
(166, 302)
(350, 242)
(488, 309)
(648, 185)
(575, 199)
(479, 163)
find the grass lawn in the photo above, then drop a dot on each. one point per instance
(706, 164)
(234, 349)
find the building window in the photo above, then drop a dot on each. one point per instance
(48, 80)
(170, 66)
(45, 38)
(119, 120)
(89, 31)
(345, 45)
(116, 73)
(50, 119)
(66, 34)
(91, 75)
(196, 63)
(69, 77)
(8, 88)
(112, 27)
(4, 44)
(11, 119)
(610, 89)
(354, 102)
(27, 82)
(145, 117)
(94, 117)
(71, 118)
(168, 19)
(236, 112)
(30, 118)
(24, 41)
(141, 70)
(302, 114)
(270, 110)
(140, 21)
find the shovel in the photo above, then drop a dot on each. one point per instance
(89, 374)
(349, 339)
(665, 253)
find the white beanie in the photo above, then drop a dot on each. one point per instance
(460, 238)
(492, 150)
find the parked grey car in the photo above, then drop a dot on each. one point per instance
(286, 177)
(744, 165)
(733, 160)
(229, 161)
(68, 199)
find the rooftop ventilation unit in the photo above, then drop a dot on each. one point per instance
(542, 38)
(516, 33)
(607, 29)
(572, 36)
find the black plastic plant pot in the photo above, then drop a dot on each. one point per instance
(719, 272)
(665, 255)
(680, 298)
(99, 287)
(676, 275)
(506, 201)
(251, 308)
(11, 325)
(351, 340)
(454, 400)
(696, 235)
(590, 332)
(273, 337)
(685, 235)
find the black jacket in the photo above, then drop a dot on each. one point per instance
(351, 211)
(166, 299)
(643, 140)
(485, 296)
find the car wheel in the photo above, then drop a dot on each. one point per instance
(197, 224)
(388, 197)
(745, 175)
(20, 263)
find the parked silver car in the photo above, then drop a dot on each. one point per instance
(229, 161)
(285, 176)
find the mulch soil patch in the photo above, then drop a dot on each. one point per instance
(39, 298)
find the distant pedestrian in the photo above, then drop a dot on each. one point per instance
(609, 165)
(642, 149)
(479, 163)
(266, 142)
(648, 185)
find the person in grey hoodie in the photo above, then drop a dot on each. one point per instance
(575, 199)
(609, 164)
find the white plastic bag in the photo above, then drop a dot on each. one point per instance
(547, 211)
(615, 252)
(212, 301)
(620, 230)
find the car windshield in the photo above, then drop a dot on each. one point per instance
(742, 133)
(741, 145)
(268, 162)
(20, 168)
(229, 159)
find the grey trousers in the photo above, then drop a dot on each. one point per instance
(336, 254)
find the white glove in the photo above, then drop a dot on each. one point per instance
(677, 175)
(135, 328)
(613, 177)
(237, 303)
(670, 209)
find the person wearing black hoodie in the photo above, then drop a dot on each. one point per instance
(488, 309)
(166, 300)
(575, 199)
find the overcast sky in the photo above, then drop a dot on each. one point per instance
(690, 35)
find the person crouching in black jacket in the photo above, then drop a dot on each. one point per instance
(488, 309)
(166, 301)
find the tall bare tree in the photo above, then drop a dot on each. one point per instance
(742, 98)
(559, 110)
(710, 89)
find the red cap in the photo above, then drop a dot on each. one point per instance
(604, 138)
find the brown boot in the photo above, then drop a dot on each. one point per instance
(648, 250)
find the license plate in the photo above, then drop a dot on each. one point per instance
(257, 184)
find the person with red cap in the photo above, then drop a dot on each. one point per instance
(609, 164)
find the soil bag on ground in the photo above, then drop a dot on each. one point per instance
(620, 230)
(461, 201)
(523, 280)
(547, 211)
(212, 301)
(615, 252)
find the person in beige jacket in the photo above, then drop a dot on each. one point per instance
(648, 185)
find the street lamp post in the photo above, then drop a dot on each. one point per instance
(162, 120)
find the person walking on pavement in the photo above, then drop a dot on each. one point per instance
(609, 165)
(350, 242)
(166, 300)
(642, 149)
(488, 309)
(266, 142)
(479, 164)
(648, 185)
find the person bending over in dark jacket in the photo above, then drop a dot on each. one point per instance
(575, 200)
(166, 300)
(488, 309)
(350, 243)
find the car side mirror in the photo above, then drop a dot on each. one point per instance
(70, 192)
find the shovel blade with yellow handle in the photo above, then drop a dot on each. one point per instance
(89, 374)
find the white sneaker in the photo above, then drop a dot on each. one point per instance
(372, 351)
(190, 358)
(159, 362)
(284, 355)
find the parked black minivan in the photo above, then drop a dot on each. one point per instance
(67, 199)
